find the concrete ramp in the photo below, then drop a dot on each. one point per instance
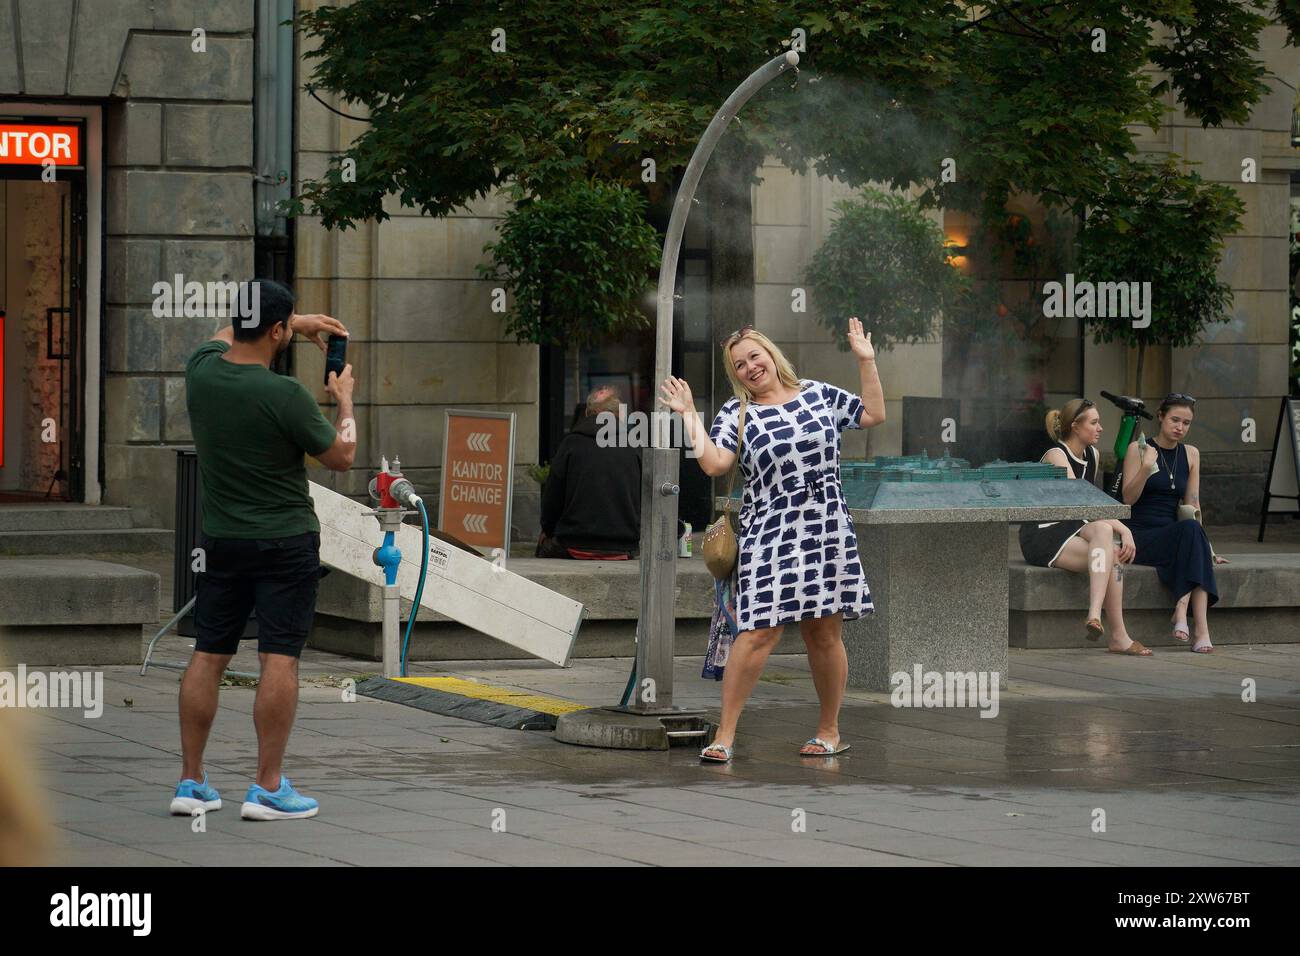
(464, 587)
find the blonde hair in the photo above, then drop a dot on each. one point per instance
(784, 370)
(1067, 414)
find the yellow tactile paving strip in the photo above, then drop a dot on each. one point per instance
(500, 695)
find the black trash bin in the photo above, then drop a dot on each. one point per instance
(189, 530)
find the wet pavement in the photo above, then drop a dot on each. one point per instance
(1092, 759)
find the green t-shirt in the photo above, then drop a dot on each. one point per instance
(251, 428)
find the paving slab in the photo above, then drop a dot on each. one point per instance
(1187, 772)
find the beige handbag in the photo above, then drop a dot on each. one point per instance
(720, 547)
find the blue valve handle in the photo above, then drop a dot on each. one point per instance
(389, 557)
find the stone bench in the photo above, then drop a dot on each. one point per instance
(349, 613)
(73, 611)
(1259, 603)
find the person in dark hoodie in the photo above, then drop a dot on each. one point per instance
(591, 503)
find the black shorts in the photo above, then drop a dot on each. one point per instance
(277, 576)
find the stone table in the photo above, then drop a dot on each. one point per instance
(935, 557)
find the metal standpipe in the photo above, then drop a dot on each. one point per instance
(648, 721)
(389, 557)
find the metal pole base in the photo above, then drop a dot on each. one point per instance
(617, 728)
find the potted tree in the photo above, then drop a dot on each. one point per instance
(1153, 222)
(883, 260)
(575, 264)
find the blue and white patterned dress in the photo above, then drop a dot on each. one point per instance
(798, 553)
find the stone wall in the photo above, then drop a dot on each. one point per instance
(178, 188)
(423, 336)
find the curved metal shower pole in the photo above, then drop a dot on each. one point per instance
(659, 487)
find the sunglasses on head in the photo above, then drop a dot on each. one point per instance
(1087, 404)
(1179, 398)
(732, 337)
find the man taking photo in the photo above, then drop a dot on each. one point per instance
(261, 538)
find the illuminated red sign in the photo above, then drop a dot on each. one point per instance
(32, 144)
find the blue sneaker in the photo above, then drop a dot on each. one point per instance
(192, 795)
(284, 804)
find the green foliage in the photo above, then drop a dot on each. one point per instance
(1225, 92)
(886, 90)
(1012, 90)
(575, 264)
(1156, 223)
(884, 261)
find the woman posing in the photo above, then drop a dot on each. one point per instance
(1158, 477)
(1085, 548)
(798, 555)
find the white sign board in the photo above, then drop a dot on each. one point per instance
(466, 588)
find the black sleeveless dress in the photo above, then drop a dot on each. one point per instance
(1178, 550)
(1041, 544)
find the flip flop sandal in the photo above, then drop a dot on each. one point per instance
(708, 756)
(1136, 649)
(827, 751)
(1180, 632)
(1095, 630)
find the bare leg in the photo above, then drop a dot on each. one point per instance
(198, 708)
(273, 710)
(1200, 607)
(1117, 638)
(830, 671)
(745, 665)
(1180, 615)
(1091, 552)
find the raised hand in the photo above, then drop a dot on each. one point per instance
(676, 394)
(340, 385)
(1149, 457)
(860, 344)
(313, 326)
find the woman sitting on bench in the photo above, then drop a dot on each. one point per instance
(1084, 547)
(1159, 476)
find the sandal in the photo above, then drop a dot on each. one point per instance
(1136, 649)
(708, 757)
(1180, 632)
(827, 749)
(1206, 648)
(1095, 630)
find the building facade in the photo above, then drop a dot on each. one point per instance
(187, 113)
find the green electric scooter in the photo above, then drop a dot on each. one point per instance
(1132, 409)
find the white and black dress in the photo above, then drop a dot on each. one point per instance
(798, 553)
(1041, 544)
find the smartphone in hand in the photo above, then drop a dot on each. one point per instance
(336, 351)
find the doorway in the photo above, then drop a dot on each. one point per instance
(42, 336)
